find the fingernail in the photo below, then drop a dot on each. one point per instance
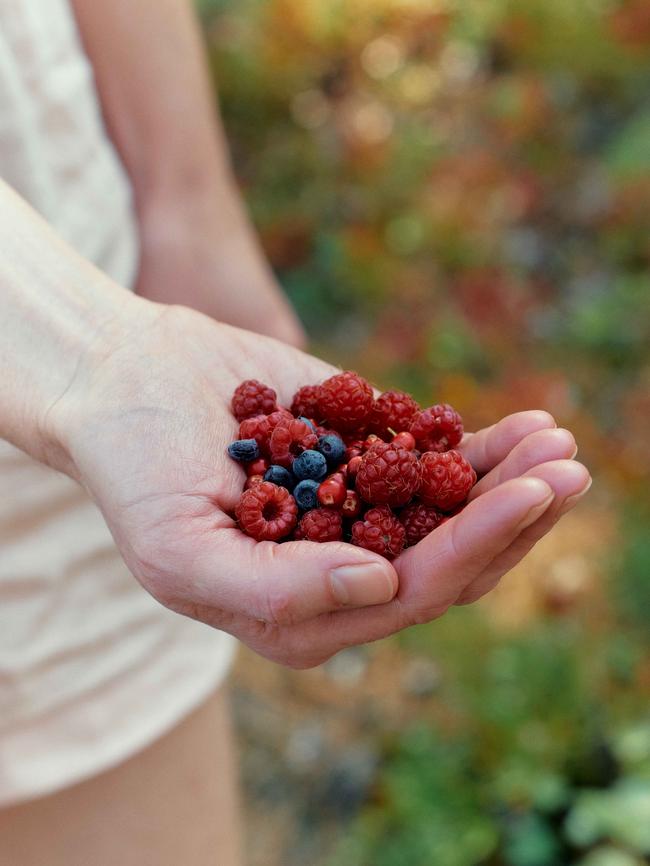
(570, 501)
(536, 512)
(367, 583)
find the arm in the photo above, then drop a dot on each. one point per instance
(198, 246)
(132, 399)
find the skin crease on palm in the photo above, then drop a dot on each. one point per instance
(156, 404)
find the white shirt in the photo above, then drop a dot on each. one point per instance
(92, 669)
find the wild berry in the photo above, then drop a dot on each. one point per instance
(244, 450)
(266, 512)
(253, 398)
(280, 476)
(439, 428)
(380, 531)
(392, 411)
(345, 401)
(388, 475)
(446, 479)
(332, 447)
(306, 494)
(321, 524)
(310, 464)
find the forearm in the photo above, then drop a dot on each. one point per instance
(152, 79)
(56, 308)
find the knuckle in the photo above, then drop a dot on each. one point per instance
(280, 608)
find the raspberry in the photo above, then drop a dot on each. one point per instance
(388, 475)
(447, 479)
(321, 524)
(266, 512)
(419, 520)
(256, 428)
(253, 398)
(438, 428)
(379, 531)
(392, 410)
(345, 401)
(305, 401)
(289, 439)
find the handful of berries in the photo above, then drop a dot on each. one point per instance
(341, 465)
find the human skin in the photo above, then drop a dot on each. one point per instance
(197, 245)
(131, 398)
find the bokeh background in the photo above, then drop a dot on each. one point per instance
(456, 195)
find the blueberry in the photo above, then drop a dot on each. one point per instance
(306, 421)
(310, 464)
(244, 450)
(280, 476)
(305, 494)
(333, 448)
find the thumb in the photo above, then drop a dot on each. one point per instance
(288, 583)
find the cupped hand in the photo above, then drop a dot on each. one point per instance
(146, 424)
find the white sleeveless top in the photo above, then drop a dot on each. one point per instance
(92, 669)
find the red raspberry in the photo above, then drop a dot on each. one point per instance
(321, 524)
(379, 531)
(253, 398)
(438, 428)
(388, 475)
(419, 520)
(446, 479)
(345, 402)
(267, 512)
(256, 428)
(394, 410)
(305, 402)
(289, 439)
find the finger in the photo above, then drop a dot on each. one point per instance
(284, 584)
(541, 446)
(569, 481)
(432, 574)
(490, 446)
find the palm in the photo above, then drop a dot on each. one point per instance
(167, 490)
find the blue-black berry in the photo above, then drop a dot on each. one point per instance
(280, 476)
(333, 449)
(310, 464)
(305, 494)
(244, 450)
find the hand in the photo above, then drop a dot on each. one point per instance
(212, 262)
(146, 424)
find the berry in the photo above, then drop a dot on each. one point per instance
(447, 479)
(419, 520)
(388, 475)
(320, 524)
(351, 507)
(351, 453)
(332, 492)
(252, 480)
(310, 464)
(305, 401)
(244, 450)
(256, 428)
(405, 439)
(345, 401)
(391, 411)
(289, 439)
(370, 441)
(333, 447)
(253, 398)
(257, 467)
(379, 531)
(266, 512)
(306, 494)
(438, 428)
(280, 476)
(353, 466)
(308, 422)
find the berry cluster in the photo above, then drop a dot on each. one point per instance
(343, 465)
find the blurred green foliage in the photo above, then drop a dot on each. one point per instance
(456, 195)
